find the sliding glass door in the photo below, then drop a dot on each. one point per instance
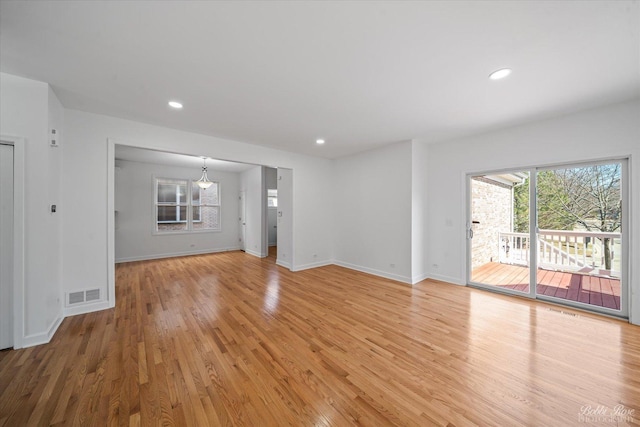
(498, 235)
(580, 229)
(575, 253)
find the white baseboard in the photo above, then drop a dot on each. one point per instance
(284, 264)
(311, 265)
(419, 278)
(256, 254)
(87, 308)
(396, 277)
(175, 254)
(447, 279)
(43, 338)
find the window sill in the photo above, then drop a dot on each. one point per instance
(173, 233)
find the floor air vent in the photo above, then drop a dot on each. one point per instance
(92, 295)
(80, 297)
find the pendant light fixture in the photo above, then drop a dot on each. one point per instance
(204, 182)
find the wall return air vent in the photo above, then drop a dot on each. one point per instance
(83, 297)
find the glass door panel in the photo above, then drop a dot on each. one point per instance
(499, 231)
(579, 234)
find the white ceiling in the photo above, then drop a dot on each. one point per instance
(133, 154)
(359, 74)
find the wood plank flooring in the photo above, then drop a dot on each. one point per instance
(594, 290)
(229, 339)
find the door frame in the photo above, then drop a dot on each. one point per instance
(18, 144)
(242, 213)
(625, 294)
(469, 223)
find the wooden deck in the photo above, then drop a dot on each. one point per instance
(594, 290)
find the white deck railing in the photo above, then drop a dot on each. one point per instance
(563, 250)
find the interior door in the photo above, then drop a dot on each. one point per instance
(242, 218)
(6, 246)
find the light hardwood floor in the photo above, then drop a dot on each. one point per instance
(229, 339)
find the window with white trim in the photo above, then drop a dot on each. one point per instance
(182, 206)
(272, 198)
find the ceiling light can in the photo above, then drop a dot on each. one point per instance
(500, 74)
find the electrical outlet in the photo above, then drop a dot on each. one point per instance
(53, 138)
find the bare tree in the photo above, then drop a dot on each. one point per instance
(589, 196)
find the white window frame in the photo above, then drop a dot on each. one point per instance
(188, 204)
(272, 197)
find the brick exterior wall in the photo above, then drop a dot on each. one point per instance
(491, 207)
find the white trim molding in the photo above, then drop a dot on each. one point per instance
(87, 308)
(18, 143)
(42, 338)
(176, 254)
(396, 277)
(311, 265)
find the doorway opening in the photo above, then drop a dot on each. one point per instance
(6, 246)
(12, 233)
(133, 231)
(271, 180)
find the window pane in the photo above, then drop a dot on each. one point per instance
(208, 218)
(166, 193)
(171, 218)
(172, 214)
(210, 196)
(195, 194)
(167, 214)
(272, 198)
(172, 190)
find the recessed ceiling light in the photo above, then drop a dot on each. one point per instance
(320, 141)
(500, 74)
(175, 104)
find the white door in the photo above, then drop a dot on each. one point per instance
(242, 217)
(6, 246)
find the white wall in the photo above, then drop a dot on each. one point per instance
(373, 195)
(252, 182)
(419, 211)
(134, 220)
(27, 109)
(603, 133)
(85, 156)
(286, 214)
